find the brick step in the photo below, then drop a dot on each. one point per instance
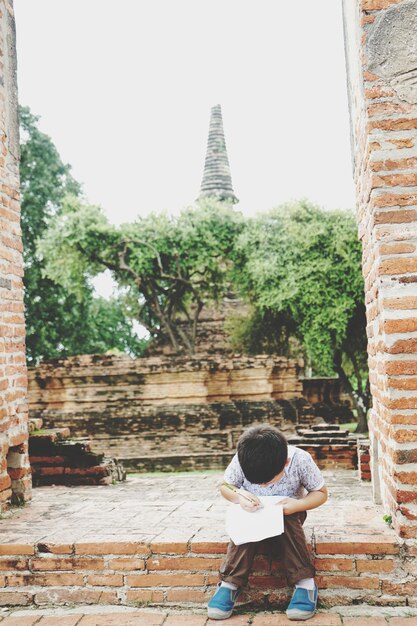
(297, 441)
(350, 570)
(72, 449)
(179, 462)
(131, 418)
(105, 473)
(70, 458)
(325, 426)
(56, 461)
(50, 435)
(329, 432)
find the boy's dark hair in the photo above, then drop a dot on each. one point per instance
(262, 452)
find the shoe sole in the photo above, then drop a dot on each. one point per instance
(294, 614)
(218, 614)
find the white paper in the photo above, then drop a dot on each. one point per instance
(245, 527)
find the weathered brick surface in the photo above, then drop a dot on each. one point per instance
(384, 130)
(366, 569)
(13, 383)
(162, 412)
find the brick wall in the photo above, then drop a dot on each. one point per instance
(350, 570)
(382, 86)
(164, 412)
(14, 465)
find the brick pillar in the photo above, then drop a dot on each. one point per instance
(15, 479)
(382, 85)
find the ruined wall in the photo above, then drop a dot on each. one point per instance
(14, 465)
(156, 411)
(380, 40)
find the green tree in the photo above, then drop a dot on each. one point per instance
(168, 266)
(58, 323)
(301, 266)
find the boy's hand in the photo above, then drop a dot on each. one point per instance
(290, 506)
(249, 506)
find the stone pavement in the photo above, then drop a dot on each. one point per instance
(171, 508)
(118, 616)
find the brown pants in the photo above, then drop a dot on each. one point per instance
(291, 547)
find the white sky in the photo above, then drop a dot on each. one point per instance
(125, 89)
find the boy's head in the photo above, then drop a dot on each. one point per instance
(262, 452)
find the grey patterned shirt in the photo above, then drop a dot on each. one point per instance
(300, 476)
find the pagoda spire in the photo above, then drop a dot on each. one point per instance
(217, 180)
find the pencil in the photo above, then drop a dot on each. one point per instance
(238, 493)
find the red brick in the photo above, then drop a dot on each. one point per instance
(403, 346)
(165, 580)
(393, 267)
(52, 564)
(193, 564)
(403, 143)
(407, 478)
(188, 595)
(45, 580)
(121, 547)
(405, 302)
(399, 588)
(397, 248)
(15, 598)
(13, 564)
(16, 548)
(405, 325)
(56, 548)
(380, 546)
(388, 108)
(376, 5)
(393, 124)
(209, 547)
(267, 582)
(74, 596)
(105, 580)
(169, 548)
(127, 564)
(348, 582)
(404, 436)
(145, 595)
(378, 566)
(333, 565)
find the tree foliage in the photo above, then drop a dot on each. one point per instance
(301, 265)
(169, 267)
(58, 323)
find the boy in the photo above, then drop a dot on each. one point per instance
(266, 466)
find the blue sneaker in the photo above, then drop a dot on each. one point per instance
(222, 603)
(303, 603)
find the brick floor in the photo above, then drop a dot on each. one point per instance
(147, 617)
(167, 509)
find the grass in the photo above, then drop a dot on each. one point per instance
(351, 427)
